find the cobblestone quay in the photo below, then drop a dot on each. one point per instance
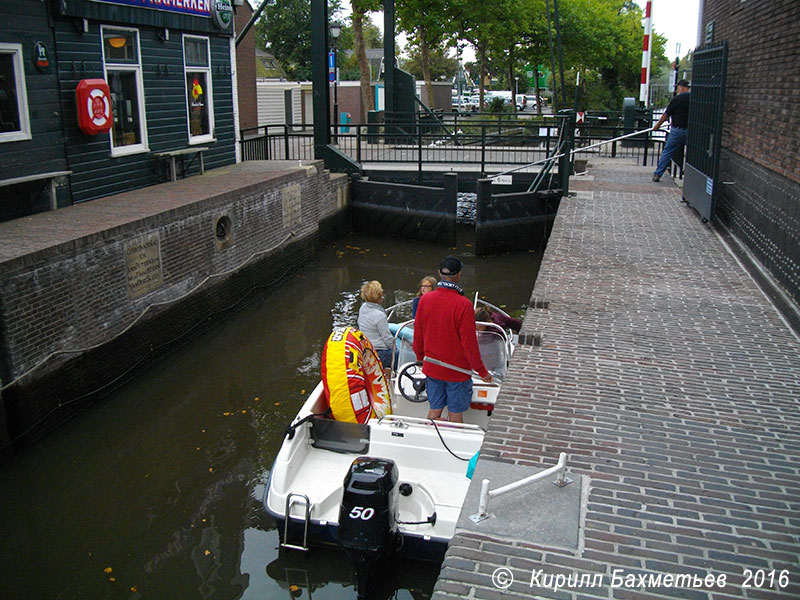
(671, 383)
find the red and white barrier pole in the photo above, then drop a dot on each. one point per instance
(644, 87)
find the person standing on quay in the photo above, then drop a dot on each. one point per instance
(678, 113)
(444, 337)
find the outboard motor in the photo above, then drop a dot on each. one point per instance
(368, 516)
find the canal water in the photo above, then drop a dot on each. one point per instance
(155, 492)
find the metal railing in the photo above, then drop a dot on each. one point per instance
(278, 142)
(559, 470)
(490, 142)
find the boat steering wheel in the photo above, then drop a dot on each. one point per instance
(413, 372)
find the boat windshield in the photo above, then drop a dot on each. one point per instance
(492, 343)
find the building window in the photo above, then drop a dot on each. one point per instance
(14, 122)
(124, 76)
(199, 102)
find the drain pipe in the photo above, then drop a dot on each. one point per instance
(559, 470)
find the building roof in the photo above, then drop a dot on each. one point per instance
(268, 67)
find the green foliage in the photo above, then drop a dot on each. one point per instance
(285, 30)
(441, 66)
(497, 106)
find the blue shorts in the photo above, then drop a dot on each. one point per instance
(385, 356)
(456, 395)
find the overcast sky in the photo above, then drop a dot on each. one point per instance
(677, 21)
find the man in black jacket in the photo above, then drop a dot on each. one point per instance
(678, 112)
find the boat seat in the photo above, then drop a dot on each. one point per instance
(338, 436)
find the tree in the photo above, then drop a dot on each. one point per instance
(285, 30)
(360, 16)
(429, 26)
(439, 66)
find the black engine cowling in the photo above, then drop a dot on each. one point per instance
(368, 515)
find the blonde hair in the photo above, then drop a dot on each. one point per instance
(371, 291)
(428, 279)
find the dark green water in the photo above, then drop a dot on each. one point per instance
(155, 491)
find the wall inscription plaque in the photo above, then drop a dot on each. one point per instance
(143, 265)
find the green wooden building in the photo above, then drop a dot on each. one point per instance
(168, 66)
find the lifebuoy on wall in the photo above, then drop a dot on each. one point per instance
(93, 100)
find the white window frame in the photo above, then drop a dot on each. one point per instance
(207, 137)
(24, 132)
(130, 68)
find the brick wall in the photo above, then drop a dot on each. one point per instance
(246, 69)
(76, 295)
(762, 107)
(761, 145)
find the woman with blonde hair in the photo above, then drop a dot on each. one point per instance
(428, 284)
(373, 322)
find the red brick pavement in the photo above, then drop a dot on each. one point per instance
(672, 384)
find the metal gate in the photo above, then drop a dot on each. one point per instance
(703, 142)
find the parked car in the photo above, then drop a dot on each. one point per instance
(465, 104)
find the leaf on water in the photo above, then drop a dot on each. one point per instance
(107, 570)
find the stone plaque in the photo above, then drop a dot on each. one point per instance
(292, 206)
(143, 265)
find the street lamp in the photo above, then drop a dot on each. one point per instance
(335, 29)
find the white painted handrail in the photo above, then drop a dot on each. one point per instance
(559, 470)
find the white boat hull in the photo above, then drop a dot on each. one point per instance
(304, 468)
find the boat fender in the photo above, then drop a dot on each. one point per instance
(472, 464)
(352, 378)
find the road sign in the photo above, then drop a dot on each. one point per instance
(580, 117)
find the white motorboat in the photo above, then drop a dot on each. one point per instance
(395, 483)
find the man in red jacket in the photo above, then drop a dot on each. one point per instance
(444, 337)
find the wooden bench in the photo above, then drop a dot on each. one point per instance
(173, 155)
(52, 176)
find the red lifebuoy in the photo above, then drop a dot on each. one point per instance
(93, 102)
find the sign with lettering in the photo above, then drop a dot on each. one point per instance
(198, 8)
(292, 206)
(221, 13)
(41, 58)
(143, 265)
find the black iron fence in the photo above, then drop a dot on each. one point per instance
(491, 143)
